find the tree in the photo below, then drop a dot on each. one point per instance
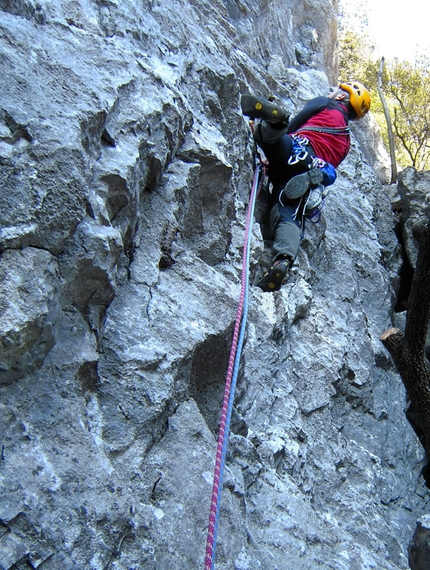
(390, 134)
(405, 89)
(355, 59)
(408, 349)
(409, 87)
(352, 16)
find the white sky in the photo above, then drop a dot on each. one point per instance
(398, 27)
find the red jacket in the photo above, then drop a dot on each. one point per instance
(326, 113)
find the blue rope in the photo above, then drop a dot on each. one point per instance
(253, 196)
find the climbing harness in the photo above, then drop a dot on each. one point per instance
(312, 202)
(232, 371)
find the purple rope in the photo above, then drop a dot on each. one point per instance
(226, 409)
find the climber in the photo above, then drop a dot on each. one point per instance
(302, 153)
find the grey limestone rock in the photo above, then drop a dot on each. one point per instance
(29, 310)
(126, 168)
(415, 204)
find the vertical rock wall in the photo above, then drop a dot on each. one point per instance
(125, 175)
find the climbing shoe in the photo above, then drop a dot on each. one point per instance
(273, 279)
(300, 184)
(315, 198)
(259, 108)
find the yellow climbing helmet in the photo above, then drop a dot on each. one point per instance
(359, 97)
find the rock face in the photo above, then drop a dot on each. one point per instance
(419, 549)
(126, 168)
(413, 189)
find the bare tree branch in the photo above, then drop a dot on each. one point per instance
(403, 140)
(389, 125)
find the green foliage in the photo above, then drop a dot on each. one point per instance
(355, 59)
(406, 87)
(409, 87)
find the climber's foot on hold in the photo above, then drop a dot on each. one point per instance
(273, 279)
(300, 184)
(259, 108)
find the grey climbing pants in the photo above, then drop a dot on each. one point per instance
(286, 221)
(286, 239)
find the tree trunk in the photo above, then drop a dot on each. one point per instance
(408, 349)
(389, 126)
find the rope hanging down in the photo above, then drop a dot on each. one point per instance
(231, 378)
